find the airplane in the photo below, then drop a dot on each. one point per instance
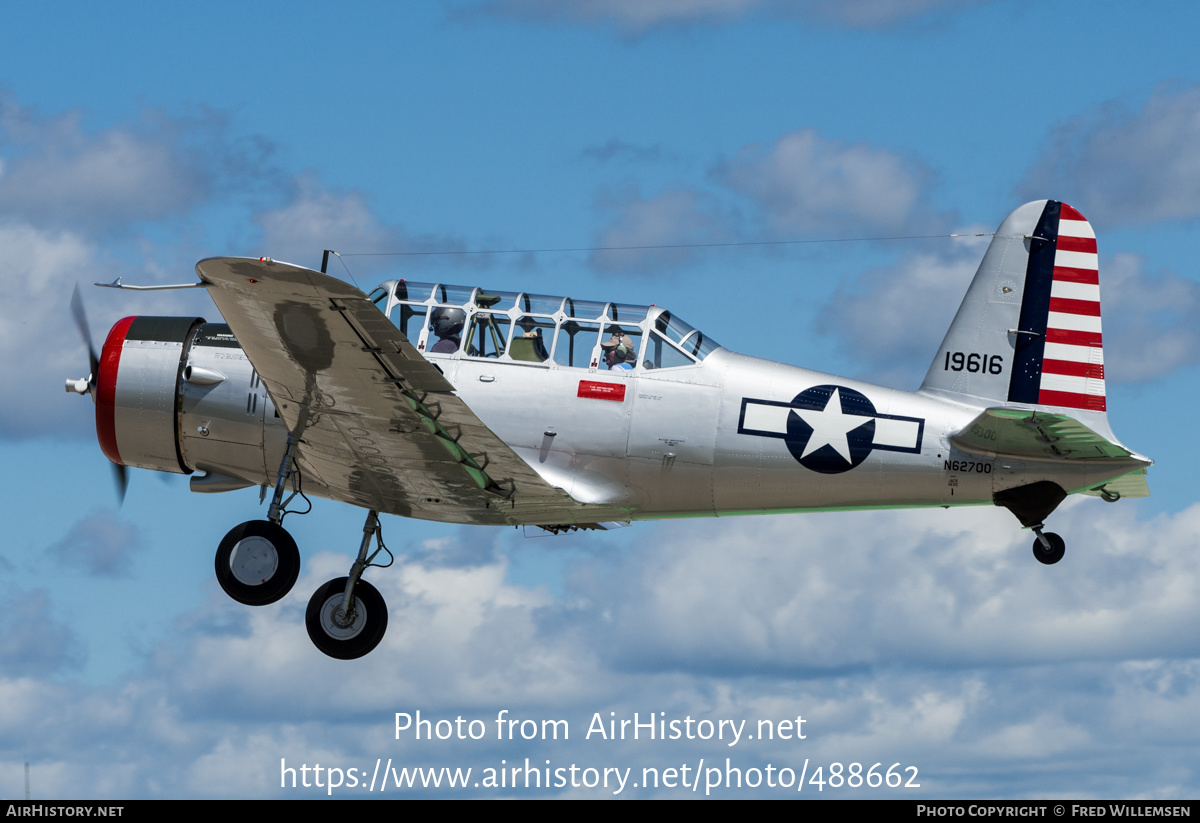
(464, 405)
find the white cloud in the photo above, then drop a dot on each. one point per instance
(39, 345)
(37, 338)
(804, 184)
(880, 14)
(58, 174)
(946, 589)
(1127, 167)
(616, 150)
(635, 17)
(119, 177)
(100, 544)
(1151, 321)
(440, 618)
(892, 318)
(801, 186)
(673, 221)
(929, 638)
(64, 187)
(629, 15)
(33, 642)
(316, 218)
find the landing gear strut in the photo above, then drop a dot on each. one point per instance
(1032, 504)
(257, 563)
(347, 617)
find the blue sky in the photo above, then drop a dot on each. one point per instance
(137, 139)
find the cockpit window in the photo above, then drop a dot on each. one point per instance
(699, 345)
(453, 295)
(411, 320)
(660, 354)
(584, 309)
(684, 336)
(580, 344)
(496, 300)
(532, 339)
(676, 330)
(417, 292)
(540, 304)
(488, 335)
(539, 329)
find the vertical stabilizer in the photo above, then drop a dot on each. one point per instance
(1028, 331)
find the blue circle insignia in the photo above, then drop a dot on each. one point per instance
(830, 429)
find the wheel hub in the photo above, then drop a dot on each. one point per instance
(342, 619)
(339, 625)
(254, 561)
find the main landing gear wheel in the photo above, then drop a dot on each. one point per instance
(353, 635)
(1054, 553)
(257, 563)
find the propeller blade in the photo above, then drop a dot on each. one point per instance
(81, 323)
(121, 480)
(120, 473)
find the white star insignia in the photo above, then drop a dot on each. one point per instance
(830, 426)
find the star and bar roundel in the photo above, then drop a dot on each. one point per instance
(830, 429)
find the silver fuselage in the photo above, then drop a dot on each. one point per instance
(677, 444)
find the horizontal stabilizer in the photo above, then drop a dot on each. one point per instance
(1037, 435)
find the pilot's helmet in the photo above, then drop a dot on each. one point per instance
(447, 322)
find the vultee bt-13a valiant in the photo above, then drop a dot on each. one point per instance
(468, 405)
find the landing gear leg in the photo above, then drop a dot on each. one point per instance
(1032, 504)
(257, 562)
(347, 617)
(275, 512)
(1049, 548)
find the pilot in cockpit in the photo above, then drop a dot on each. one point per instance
(447, 324)
(619, 351)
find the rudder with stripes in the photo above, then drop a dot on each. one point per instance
(1059, 355)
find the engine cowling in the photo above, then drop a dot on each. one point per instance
(177, 394)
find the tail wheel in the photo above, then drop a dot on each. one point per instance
(348, 636)
(1058, 548)
(257, 563)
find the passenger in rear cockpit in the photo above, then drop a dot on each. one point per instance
(619, 352)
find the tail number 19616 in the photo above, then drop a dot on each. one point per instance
(974, 362)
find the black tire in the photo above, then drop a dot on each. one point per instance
(1058, 548)
(257, 563)
(356, 640)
